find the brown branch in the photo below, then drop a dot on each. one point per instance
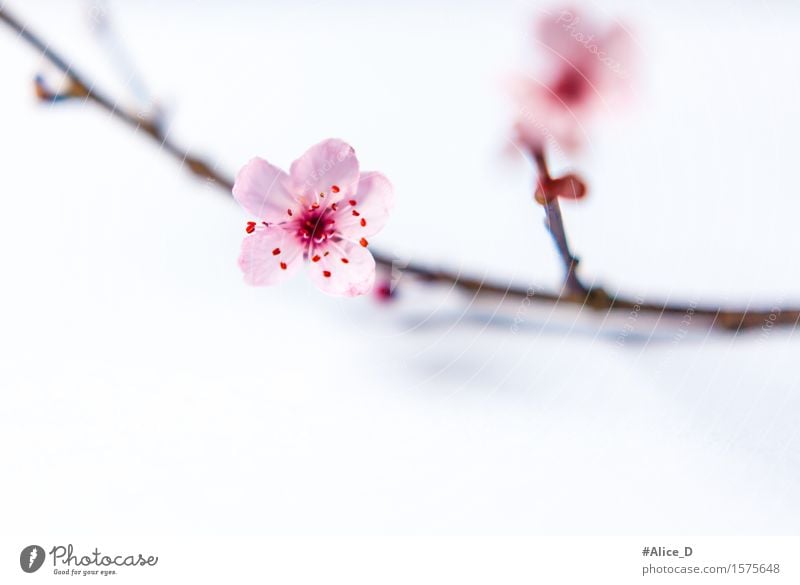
(596, 299)
(81, 88)
(555, 225)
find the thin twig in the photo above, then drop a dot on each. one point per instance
(89, 91)
(597, 299)
(555, 226)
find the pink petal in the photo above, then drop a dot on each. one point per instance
(373, 202)
(330, 167)
(618, 67)
(264, 191)
(558, 32)
(269, 256)
(348, 270)
(543, 120)
(601, 55)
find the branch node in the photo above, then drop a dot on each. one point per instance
(74, 89)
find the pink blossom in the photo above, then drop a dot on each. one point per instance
(322, 212)
(587, 69)
(384, 291)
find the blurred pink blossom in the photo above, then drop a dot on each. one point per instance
(384, 291)
(322, 211)
(587, 67)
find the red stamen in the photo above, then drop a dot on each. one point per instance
(251, 227)
(315, 258)
(335, 188)
(333, 206)
(289, 211)
(356, 213)
(363, 242)
(326, 273)
(363, 222)
(276, 251)
(353, 202)
(345, 261)
(283, 265)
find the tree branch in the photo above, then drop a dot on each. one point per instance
(574, 292)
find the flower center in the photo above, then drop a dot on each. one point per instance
(571, 86)
(315, 224)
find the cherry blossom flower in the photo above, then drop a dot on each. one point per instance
(587, 68)
(321, 212)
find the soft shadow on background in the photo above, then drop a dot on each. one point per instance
(153, 388)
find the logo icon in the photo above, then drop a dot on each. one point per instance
(31, 558)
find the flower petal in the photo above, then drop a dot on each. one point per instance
(330, 167)
(544, 120)
(347, 270)
(559, 32)
(264, 191)
(269, 256)
(373, 202)
(601, 55)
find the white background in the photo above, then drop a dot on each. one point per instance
(146, 391)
